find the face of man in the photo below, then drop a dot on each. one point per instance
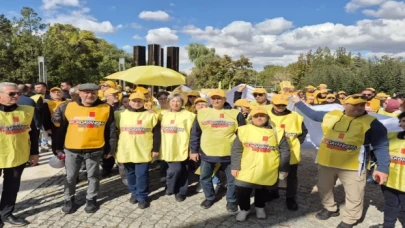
(368, 94)
(111, 98)
(136, 103)
(260, 97)
(342, 96)
(217, 102)
(65, 87)
(260, 119)
(40, 89)
(200, 105)
(280, 108)
(56, 95)
(9, 95)
(355, 110)
(88, 97)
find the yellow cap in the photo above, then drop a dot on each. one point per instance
(382, 95)
(137, 95)
(198, 100)
(141, 90)
(56, 89)
(331, 95)
(310, 87)
(341, 92)
(258, 110)
(322, 85)
(260, 90)
(110, 91)
(371, 89)
(355, 99)
(110, 83)
(194, 93)
(242, 103)
(217, 92)
(279, 99)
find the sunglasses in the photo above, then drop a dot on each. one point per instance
(356, 97)
(280, 105)
(330, 98)
(258, 94)
(13, 94)
(367, 94)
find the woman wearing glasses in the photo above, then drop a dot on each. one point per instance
(191, 97)
(342, 154)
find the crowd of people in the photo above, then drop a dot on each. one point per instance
(256, 144)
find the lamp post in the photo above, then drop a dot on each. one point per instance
(121, 67)
(41, 69)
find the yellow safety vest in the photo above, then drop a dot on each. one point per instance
(308, 94)
(175, 129)
(292, 125)
(343, 137)
(396, 179)
(86, 126)
(36, 97)
(260, 158)
(14, 136)
(318, 100)
(136, 137)
(373, 105)
(381, 111)
(218, 130)
(53, 105)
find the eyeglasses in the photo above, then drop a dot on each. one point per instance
(162, 98)
(348, 126)
(280, 105)
(258, 94)
(330, 98)
(13, 94)
(367, 94)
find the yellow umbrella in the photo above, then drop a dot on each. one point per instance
(153, 75)
(115, 76)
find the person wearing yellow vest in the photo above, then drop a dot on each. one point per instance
(49, 108)
(394, 189)
(19, 138)
(87, 133)
(342, 96)
(175, 130)
(212, 136)
(138, 144)
(260, 95)
(310, 92)
(295, 132)
(106, 85)
(260, 154)
(343, 154)
(191, 97)
(373, 104)
(243, 105)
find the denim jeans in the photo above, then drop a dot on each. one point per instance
(207, 169)
(177, 177)
(394, 201)
(138, 180)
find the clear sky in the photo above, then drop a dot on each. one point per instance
(266, 31)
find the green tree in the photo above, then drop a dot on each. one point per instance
(7, 63)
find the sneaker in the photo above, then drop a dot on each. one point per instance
(216, 188)
(91, 206)
(292, 204)
(143, 204)
(377, 226)
(198, 188)
(133, 200)
(325, 214)
(125, 181)
(260, 213)
(345, 225)
(242, 215)
(207, 204)
(180, 198)
(68, 206)
(232, 207)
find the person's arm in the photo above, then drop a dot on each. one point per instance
(309, 112)
(284, 151)
(377, 136)
(304, 133)
(110, 135)
(157, 134)
(34, 138)
(61, 134)
(241, 120)
(46, 117)
(236, 96)
(195, 138)
(236, 156)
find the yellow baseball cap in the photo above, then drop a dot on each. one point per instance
(217, 92)
(141, 90)
(110, 91)
(382, 95)
(198, 100)
(110, 83)
(371, 89)
(242, 103)
(310, 87)
(279, 99)
(260, 90)
(355, 99)
(322, 85)
(341, 92)
(258, 110)
(137, 95)
(331, 95)
(55, 89)
(193, 93)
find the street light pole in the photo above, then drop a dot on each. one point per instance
(121, 67)
(41, 69)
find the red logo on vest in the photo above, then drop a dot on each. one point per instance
(341, 136)
(282, 126)
(171, 121)
(402, 150)
(16, 119)
(139, 122)
(91, 115)
(221, 115)
(265, 138)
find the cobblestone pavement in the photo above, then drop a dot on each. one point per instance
(42, 207)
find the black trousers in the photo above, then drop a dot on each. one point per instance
(292, 183)
(11, 186)
(394, 202)
(243, 197)
(177, 177)
(108, 164)
(53, 139)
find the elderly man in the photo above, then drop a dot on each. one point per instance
(212, 135)
(343, 154)
(86, 133)
(260, 95)
(19, 145)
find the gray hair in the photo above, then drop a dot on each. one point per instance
(7, 84)
(176, 95)
(72, 91)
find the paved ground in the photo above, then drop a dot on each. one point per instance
(42, 206)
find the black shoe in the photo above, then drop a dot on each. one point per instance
(232, 207)
(345, 225)
(168, 193)
(180, 198)
(377, 226)
(68, 206)
(1, 223)
(292, 204)
(325, 214)
(143, 204)
(133, 200)
(91, 206)
(11, 219)
(207, 204)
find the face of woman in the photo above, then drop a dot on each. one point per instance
(260, 120)
(200, 105)
(175, 104)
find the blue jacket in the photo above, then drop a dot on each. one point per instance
(376, 136)
(24, 100)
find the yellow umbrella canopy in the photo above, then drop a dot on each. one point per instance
(115, 76)
(152, 75)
